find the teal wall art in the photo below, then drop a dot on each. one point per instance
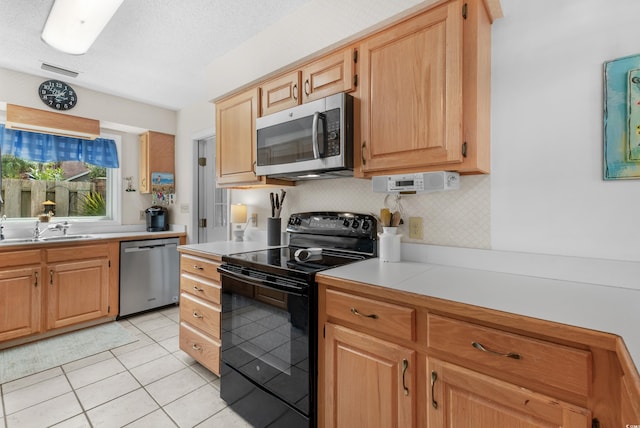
(622, 118)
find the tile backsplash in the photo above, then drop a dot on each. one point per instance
(459, 218)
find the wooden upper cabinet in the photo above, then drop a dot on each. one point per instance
(236, 138)
(280, 93)
(420, 103)
(329, 75)
(157, 154)
(412, 92)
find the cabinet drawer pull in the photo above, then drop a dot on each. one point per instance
(196, 288)
(196, 347)
(197, 315)
(434, 377)
(405, 366)
(306, 87)
(362, 148)
(295, 92)
(513, 355)
(354, 311)
(36, 283)
(51, 276)
(198, 267)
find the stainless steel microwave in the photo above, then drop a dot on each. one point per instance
(312, 140)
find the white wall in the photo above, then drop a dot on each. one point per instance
(547, 192)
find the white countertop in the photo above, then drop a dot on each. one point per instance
(598, 307)
(597, 294)
(221, 248)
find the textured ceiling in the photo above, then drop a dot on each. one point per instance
(153, 51)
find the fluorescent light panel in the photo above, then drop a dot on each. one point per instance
(59, 70)
(73, 25)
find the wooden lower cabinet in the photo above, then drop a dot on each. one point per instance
(460, 398)
(369, 381)
(78, 291)
(20, 302)
(200, 308)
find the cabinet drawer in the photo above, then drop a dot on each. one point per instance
(200, 287)
(201, 314)
(527, 358)
(200, 266)
(201, 347)
(387, 318)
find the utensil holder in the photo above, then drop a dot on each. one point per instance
(273, 230)
(389, 245)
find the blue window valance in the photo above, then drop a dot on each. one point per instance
(53, 148)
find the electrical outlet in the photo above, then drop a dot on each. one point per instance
(143, 215)
(415, 228)
(254, 219)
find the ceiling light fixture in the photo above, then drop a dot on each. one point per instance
(73, 25)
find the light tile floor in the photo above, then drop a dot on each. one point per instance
(148, 383)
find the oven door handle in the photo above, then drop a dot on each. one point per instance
(264, 283)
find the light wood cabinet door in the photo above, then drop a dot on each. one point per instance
(20, 302)
(369, 381)
(77, 291)
(280, 93)
(157, 154)
(461, 398)
(411, 93)
(236, 138)
(329, 75)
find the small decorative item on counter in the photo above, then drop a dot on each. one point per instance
(389, 220)
(389, 244)
(129, 184)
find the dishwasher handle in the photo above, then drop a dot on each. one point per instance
(148, 247)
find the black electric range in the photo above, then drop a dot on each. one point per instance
(270, 311)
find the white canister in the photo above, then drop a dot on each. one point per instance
(389, 245)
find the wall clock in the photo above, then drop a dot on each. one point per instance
(57, 95)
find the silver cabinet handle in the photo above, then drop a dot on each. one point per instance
(295, 92)
(306, 87)
(354, 311)
(198, 267)
(196, 288)
(405, 366)
(479, 347)
(197, 315)
(434, 377)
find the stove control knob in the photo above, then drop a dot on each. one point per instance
(298, 221)
(345, 222)
(355, 224)
(365, 225)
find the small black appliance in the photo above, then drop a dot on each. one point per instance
(157, 219)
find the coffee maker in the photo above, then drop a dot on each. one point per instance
(157, 219)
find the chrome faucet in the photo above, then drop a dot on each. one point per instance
(60, 226)
(2, 220)
(36, 231)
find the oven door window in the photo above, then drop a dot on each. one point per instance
(265, 336)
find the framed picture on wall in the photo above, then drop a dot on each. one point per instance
(621, 154)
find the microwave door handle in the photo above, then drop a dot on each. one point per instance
(314, 134)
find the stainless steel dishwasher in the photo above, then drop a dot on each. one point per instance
(149, 275)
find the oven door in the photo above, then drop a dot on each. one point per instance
(268, 352)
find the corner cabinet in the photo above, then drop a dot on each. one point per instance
(20, 294)
(157, 154)
(425, 86)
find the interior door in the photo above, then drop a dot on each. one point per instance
(212, 201)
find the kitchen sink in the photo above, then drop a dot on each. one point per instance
(61, 238)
